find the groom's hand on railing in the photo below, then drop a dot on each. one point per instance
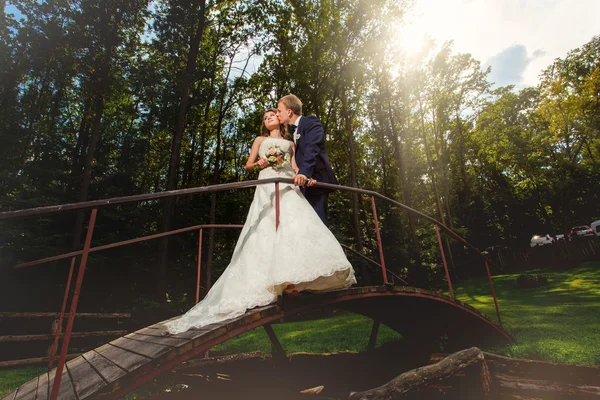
(300, 180)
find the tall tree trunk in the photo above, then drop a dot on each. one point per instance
(186, 82)
(463, 190)
(442, 155)
(4, 26)
(147, 177)
(9, 71)
(78, 149)
(204, 130)
(86, 176)
(188, 169)
(111, 39)
(433, 179)
(406, 194)
(430, 164)
(213, 204)
(353, 182)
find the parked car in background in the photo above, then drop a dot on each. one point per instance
(541, 240)
(559, 237)
(596, 227)
(494, 250)
(580, 232)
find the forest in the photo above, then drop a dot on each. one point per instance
(102, 99)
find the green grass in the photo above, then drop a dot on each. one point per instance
(12, 378)
(342, 332)
(558, 323)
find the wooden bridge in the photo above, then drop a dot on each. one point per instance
(116, 368)
(124, 364)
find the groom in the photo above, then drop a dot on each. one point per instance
(311, 155)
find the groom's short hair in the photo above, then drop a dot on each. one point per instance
(293, 103)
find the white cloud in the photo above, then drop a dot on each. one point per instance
(547, 29)
(509, 66)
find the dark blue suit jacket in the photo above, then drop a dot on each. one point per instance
(311, 154)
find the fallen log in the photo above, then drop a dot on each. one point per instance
(542, 370)
(544, 389)
(493, 376)
(544, 379)
(418, 379)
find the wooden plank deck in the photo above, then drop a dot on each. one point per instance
(120, 366)
(86, 380)
(66, 391)
(108, 370)
(42, 388)
(28, 390)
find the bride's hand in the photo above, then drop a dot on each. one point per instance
(311, 182)
(262, 163)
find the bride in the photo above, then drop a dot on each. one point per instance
(301, 254)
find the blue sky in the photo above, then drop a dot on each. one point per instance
(517, 38)
(10, 9)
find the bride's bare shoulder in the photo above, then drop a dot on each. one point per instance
(257, 141)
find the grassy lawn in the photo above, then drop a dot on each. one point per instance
(342, 332)
(12, 378)
(559, 323)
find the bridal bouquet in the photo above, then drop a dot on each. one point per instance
(276, 157)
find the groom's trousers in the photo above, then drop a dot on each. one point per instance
(319, 202)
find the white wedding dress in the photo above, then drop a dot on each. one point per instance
(302, 251)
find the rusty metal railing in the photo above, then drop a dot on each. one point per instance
(372, 262)
(95, 205)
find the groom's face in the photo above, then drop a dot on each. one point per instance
(283, 113)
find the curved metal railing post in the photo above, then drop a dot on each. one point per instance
(61, 316)
(373, 262)
(437, 232)
(199, 265)
(379, 243)
(65, 344)
(487, 268)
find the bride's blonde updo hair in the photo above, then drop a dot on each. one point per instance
(265, 132)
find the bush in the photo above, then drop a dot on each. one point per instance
(526, 281)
